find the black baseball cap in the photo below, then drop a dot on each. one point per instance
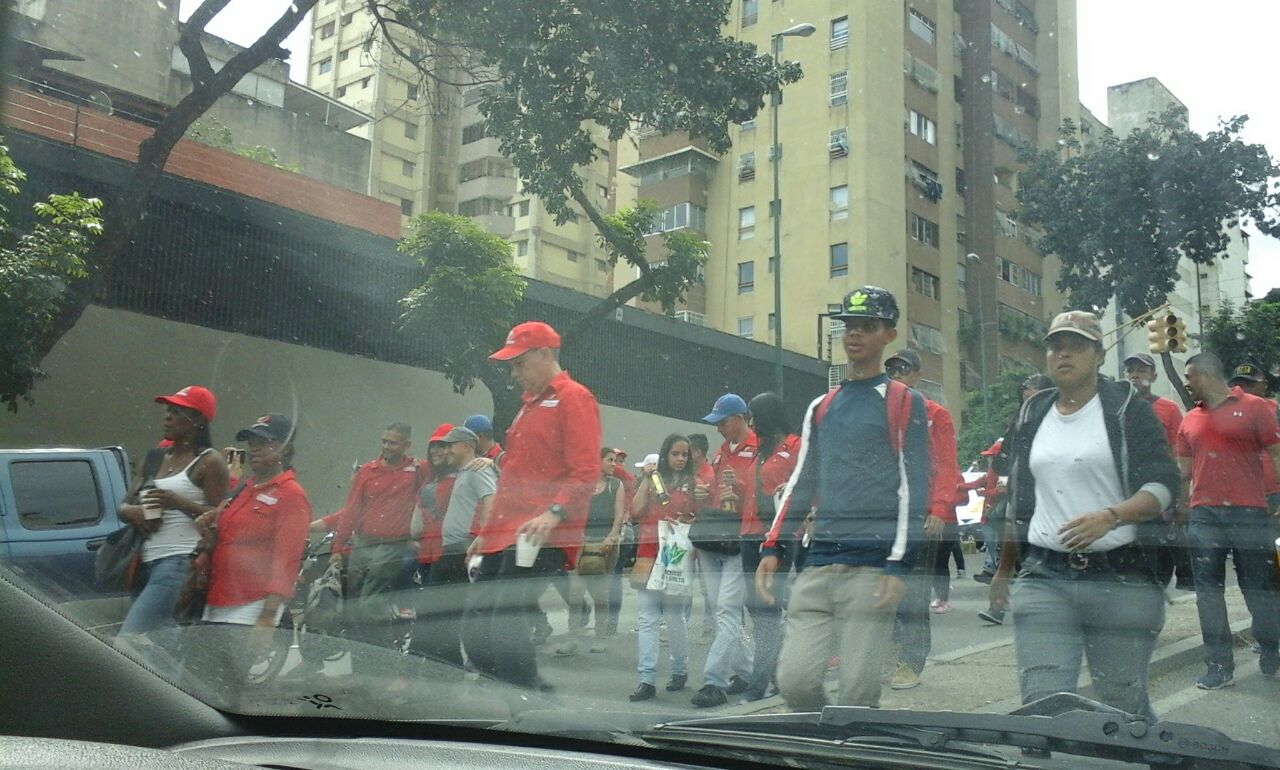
(273, 427)
(1247, 372)
(869, 302)
(1142, 358)
(906, 356)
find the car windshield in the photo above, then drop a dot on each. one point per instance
(457, 360)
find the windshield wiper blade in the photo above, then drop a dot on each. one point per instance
(1067, 724)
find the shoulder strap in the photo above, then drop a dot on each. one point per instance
(151, 463)
(897, 398)
(823, 406)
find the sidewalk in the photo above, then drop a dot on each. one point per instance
(983, 677)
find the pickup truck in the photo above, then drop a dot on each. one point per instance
(57, 507)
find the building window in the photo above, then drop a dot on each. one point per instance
(746, 166)
(522, 208)
(750, 9)
(473, 133)
(1013, 273)
(921, 126)
(411, 92)
(749, 125)
(747, 326)
(408, 167)
(522, 248)
(746, 223)
(406, 207)
(839, 202)
(839, 32)
(365, 83)
(342, 91)
(926, 283)
(922, 229)
(327, 30)
(602, 265)
(839, 260)
(838, 93)
(927, 338)
(922, 26)
(410, 130)
(678, 217)
(772, 322)
(344, 55)
(746, 277)
(602, 191)
(572, 256)
(346, 18)
(325, 66)
(838, 142)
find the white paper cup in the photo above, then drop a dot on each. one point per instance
(151, 510)
(527, 550)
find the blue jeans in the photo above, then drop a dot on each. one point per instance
(766, 621)
(1112, 619)
(152, 608)
(652, 607)
(911, 630)
(728, 655)
(1249, 534)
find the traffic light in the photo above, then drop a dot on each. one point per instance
(1167, 334)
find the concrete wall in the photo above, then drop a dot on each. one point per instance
(105, 373)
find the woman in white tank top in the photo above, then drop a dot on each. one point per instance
(191, 480)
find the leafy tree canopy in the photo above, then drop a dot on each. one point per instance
(35, 268)
(1122, 213)
(1003, 398)
(1248, 334)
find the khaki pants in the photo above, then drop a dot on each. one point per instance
(825, 602)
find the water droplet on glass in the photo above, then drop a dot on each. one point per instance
(986, 78)
(161, 5)
(1019, 110)
(1240, 335)
(1062, 142)
(138, 54)
(249, 102)
(115, 66)
(1153, 156)
(673, 67)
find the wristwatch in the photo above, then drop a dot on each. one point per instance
(557, 510)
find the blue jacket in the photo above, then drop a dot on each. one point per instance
(870, 501)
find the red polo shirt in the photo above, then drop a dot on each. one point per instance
(776, 469)
(494, 452)
(1226, 444)
(553, 456)
(261, 534)
(1170, 417)
(380, 503)
(742, 459)
(681, 505)
(945, 478)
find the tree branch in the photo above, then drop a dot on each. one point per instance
(189, 40)
(384, 23)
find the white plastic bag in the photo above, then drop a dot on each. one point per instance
(673, 569)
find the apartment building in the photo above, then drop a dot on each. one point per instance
(899, 159)
(429, 150)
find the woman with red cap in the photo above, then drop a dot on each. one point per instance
(191, 480)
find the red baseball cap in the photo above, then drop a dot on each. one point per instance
(193, 397)
(527, 336)
(621, 453)
(441, 431)
(994, 449)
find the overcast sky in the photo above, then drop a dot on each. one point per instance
(1215, 56)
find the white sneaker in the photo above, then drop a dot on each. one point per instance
(939, 607)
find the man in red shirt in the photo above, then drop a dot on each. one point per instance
(911, 628)
(549, 473)
(1251, 380)
(1173, 556)
(374, 524)
(729, 662)
(482, 426)
(1219, 453)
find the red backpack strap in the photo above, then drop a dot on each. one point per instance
(897, 399)
(823, 406)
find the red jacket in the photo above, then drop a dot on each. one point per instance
(946, 477)
(380, 503)
(742, 460)
(261, 534)
(776, 469)
(647, 532)
(552, 457)
(431, 543)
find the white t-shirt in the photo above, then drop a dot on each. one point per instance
(240, 614)
(177, 535)
(1075, 474)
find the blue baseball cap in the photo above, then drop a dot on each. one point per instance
(726, 406)
(478, 423)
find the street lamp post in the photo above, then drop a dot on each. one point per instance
(982, 351)
(797, 30)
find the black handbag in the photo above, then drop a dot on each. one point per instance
(716, 531)
(116, 563)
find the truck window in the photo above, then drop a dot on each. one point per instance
(55, 494)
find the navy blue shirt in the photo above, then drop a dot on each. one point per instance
(850, 472)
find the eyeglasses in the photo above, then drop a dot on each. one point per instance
(897, 368)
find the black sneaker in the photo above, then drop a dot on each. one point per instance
(643, 692)
(677, 683)
(984, 577)
(993, 615)
(1269, 662)
(737, 686)
(709, 696)
(1215, 679)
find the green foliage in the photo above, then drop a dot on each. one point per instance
(680, 270)
(212, 132)
(1249, 334)
(1122, 213)
(467, 301)
(35, 270)
(1003, 398)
